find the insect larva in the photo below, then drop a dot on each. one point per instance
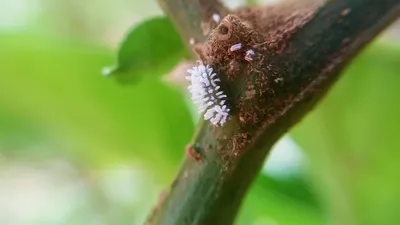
(206, 94)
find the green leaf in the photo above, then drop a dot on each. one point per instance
(285, 202)
(151, 48)
(353, 141)
(53, 98)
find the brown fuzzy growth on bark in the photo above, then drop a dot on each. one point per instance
(264, 31)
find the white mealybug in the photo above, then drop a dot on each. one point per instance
(206, 94)
(216, 17)
(236, 47)
(192, 41)
(249, 55)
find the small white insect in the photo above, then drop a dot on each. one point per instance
(249, 55)
(236, 47)
(206, 94)
(216, 17)
(192, 41)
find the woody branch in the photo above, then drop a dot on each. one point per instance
(304, 47)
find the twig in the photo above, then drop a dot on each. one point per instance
(300, 53)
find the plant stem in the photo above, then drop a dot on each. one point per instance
(189, 14)
(224, 161)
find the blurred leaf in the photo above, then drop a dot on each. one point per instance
(295, 187)
(154, 47)
(53, 87)
(14, 131)
(284, 202)
(352, 140)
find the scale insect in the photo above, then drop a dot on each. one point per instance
(206, 94)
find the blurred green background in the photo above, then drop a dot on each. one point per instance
(80, 148)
